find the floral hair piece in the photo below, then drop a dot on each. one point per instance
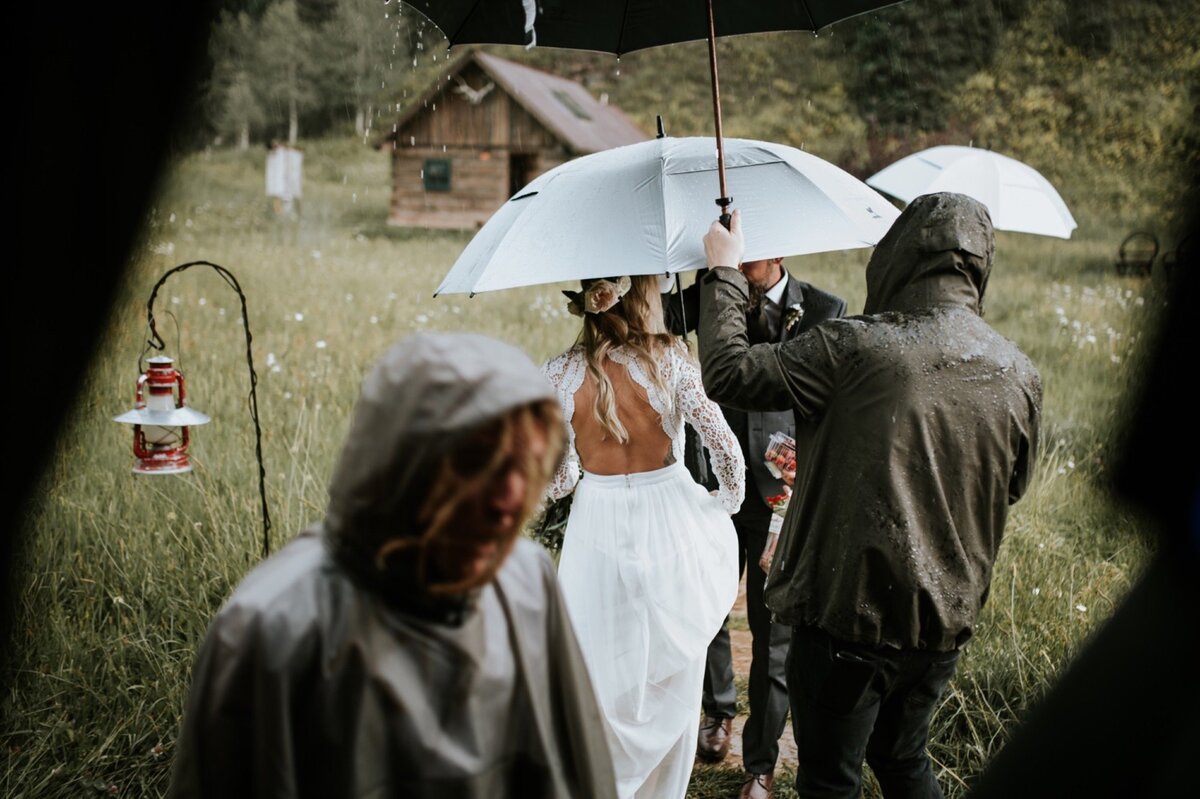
(599, 296)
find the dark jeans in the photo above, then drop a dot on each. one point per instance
(767, 685)
(851, 702)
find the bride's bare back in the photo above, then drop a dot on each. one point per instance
(652, 415)
(648, 447)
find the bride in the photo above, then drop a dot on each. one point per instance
(649, 564)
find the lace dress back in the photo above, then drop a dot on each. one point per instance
(648, 446)
(638, 410)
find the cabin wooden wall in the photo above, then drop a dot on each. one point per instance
(478, 186)
(477, 139)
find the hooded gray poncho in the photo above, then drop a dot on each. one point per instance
(323, 676)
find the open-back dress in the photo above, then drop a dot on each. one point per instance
(649, 569)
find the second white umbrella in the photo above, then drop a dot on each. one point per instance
(1017, 197)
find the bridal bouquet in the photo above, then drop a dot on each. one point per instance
(780, 457)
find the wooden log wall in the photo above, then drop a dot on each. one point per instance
(477, 139)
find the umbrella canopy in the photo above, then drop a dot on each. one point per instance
(1016, 195)
(628, 25)
(642, 209)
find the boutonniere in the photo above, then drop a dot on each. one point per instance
(794, 314)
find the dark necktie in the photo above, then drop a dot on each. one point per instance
(764, 325)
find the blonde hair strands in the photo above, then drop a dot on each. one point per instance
(634, 323)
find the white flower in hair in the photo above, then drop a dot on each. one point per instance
(604, 294)
(599, 296)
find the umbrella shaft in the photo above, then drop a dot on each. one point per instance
(716, 93)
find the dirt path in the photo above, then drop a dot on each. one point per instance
(739, 640)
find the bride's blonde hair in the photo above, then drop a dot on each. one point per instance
(636, 323)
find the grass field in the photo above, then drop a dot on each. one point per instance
(122, 574)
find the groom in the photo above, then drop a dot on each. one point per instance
(780, 309)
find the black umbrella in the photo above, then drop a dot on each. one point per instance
(623, 26)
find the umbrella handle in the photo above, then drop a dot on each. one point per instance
(726, 218)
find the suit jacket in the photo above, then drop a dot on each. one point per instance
(754, 428)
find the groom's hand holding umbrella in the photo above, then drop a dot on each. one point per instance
(725, 247)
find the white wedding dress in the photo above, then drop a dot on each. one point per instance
(649, 570)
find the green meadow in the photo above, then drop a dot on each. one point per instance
(121, 573)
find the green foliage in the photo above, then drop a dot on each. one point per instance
(1096, 125)
(313, 64)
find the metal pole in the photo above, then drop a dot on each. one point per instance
(723, 201)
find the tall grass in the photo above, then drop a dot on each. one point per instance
(121, 574)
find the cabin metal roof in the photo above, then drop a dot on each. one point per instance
(565, 107)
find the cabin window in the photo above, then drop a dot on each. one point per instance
(436, 174)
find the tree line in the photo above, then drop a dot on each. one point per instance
(280, 69)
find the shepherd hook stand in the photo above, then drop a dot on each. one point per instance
(156, 342)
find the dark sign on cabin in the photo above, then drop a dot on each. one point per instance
(482, 131)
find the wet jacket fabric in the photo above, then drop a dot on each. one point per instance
(926, 426)
(753, 429)
(322, 676)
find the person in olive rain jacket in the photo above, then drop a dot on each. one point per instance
(926, 431)
(411, 644)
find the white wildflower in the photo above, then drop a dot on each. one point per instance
(321, 344)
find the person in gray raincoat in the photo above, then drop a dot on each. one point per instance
(412, 644)
(926, 431)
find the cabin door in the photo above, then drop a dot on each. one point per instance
(520, 171)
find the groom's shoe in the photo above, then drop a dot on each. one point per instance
(758, 786)
(713, 742)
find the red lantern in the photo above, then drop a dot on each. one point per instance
(160, 419)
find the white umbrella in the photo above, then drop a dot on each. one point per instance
(643, 209)
(1016, 195)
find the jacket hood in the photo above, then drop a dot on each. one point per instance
(938, 252)
(422, 396)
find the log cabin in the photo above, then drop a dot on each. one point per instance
(482, 131)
